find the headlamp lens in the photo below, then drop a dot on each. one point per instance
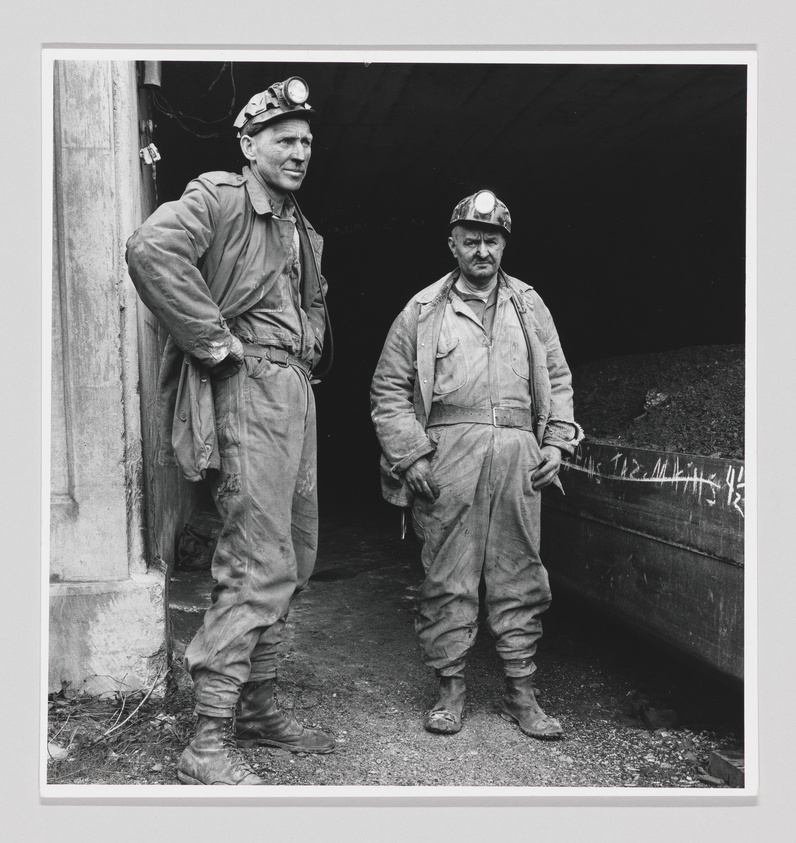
(295, 90)
(484, 202)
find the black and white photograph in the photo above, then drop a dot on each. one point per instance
(399, 418)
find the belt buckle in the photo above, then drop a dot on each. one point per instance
(278, 356)
(506, 418)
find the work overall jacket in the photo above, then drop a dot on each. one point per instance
(198, 262)
(403, 384)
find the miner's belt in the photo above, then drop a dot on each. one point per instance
(275, 355)
(443, 414)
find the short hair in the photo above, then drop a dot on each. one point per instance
(252, 129)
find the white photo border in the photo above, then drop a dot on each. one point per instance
(323, 795)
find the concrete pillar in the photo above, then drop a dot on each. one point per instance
(107, 627)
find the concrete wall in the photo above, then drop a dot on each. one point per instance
(107, 605)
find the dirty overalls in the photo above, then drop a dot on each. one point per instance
(265, 491)
(486, 519)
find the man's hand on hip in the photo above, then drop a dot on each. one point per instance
(547, 470)
(420, 481)
(236, 349)
(231, 362)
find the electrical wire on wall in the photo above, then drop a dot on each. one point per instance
(160, 102)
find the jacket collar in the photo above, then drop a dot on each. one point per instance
(258, 195)
(437, 288)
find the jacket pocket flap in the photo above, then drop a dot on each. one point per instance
(446, 344)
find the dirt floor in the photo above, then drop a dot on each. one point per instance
(635, 715)
(689, 401)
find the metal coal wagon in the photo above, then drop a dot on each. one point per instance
(657, 539)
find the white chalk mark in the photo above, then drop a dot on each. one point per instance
(695, 479)
(690, 477)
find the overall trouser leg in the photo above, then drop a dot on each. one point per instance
(304, 535)
(453, 530)
(263, 415)
(517, 586)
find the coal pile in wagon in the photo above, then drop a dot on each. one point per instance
(688, 401)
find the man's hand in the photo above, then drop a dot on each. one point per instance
(547, 470)
(419, 479)
(230, 363)
(236, 349)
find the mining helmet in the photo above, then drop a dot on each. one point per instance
(282, 99)
(484, 208)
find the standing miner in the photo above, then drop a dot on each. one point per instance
(472, 404)
(232, 271)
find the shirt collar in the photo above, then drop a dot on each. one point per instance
(468, 295)
(499, 288)
(261, 201)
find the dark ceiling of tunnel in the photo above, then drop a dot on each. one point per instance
(389, 135)
(626, 185)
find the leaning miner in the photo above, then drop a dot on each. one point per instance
(232, 272)
(472, 405)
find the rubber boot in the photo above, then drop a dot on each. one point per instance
(519, 705)
(261, 722)
(212, 757)
(446, 716)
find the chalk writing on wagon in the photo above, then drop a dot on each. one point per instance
(713, 482)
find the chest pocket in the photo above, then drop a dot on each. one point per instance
(450, 372)
(274, 299)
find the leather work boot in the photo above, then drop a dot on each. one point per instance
(446, 716)
(519, 705)
(260, 721)
(212, 757)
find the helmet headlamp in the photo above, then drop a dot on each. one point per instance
(278, 100)
(484, 202)
(295, 91)
(483, 208)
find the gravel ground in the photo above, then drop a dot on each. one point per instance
(634, 715)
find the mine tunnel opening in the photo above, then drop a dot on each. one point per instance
(626, 185)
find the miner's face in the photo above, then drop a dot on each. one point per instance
(280, 153)
(478, 251)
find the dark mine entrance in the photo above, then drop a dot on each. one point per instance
(627, 190)
(626, 185)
